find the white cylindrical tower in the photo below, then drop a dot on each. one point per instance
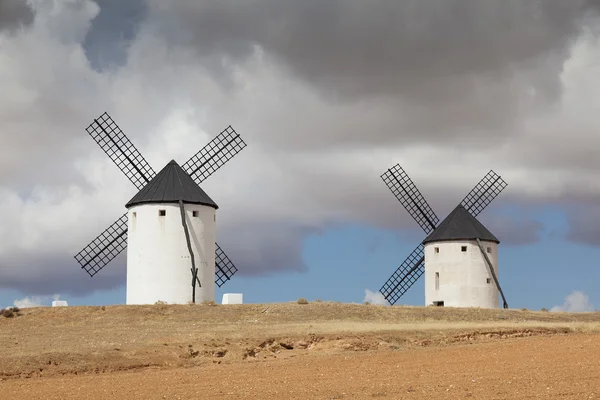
(159, 264)
(457, 273)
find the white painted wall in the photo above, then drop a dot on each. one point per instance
(158, 260)
(462, 275)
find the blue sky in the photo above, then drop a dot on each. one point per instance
(342, 263)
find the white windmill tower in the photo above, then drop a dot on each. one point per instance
(461, 263)
(459, 257)
(171, 226)
(170, 223)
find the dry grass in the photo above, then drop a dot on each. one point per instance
(47, 341)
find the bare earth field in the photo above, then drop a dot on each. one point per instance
(295, 351)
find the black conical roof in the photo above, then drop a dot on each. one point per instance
(460, 225)
(170, 185)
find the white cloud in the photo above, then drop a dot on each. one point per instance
(375, 298)
(575, 302)
(28, 302)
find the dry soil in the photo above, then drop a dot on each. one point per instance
(296, 351)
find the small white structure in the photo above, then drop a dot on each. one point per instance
(59, 303)
(457, 273)
(161, 242)
(232, 298)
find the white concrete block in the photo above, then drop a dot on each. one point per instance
(59, 303)
(232, 298)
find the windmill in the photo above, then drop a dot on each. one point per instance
(170, 223)
(461, 232)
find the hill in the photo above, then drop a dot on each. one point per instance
(44, 345)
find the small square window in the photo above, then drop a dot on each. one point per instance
(488, 281)
(437, 250)
(463, 248)
(194, 213)
(489, 250)
(162, 213)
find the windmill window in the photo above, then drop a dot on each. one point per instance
(194, 213)
(162, 213)
(488, 281)
(134, 214)
(437, 281)
(463, 248)
(489, 250)
(437, 250)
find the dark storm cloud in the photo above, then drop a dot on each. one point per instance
(55, 272)
(14, 14)
(515, 231)
(446, 64)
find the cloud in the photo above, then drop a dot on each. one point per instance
(445, 69)
(513, 230)
(375, 298)
(327, 96)
(28, 302)
(584, 224)
(14, 14)
(575, 302)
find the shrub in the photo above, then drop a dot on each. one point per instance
(367, 303)
(544, 309)
(16, 309)
(160, 303)
(302, 300)
(8, 313)
(209, 303)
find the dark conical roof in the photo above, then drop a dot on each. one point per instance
(170, 185)
(460, 225)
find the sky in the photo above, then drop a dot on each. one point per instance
(327, 95)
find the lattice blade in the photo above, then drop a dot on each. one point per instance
(224, 268)
(410, 197)
(214, 155)
(104, 248)
(483, 193)
(121, 151)
(405, 276)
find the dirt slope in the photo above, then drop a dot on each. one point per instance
(319, 350)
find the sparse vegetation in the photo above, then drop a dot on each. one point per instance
(544, 309)
(160, 303)
(209, 303)
(10, 312)
(302, 300)
(7, 313)
(367, 303)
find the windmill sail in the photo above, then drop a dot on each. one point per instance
(104, 248)
(398, 181)
(120, 150)
(214, 155)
